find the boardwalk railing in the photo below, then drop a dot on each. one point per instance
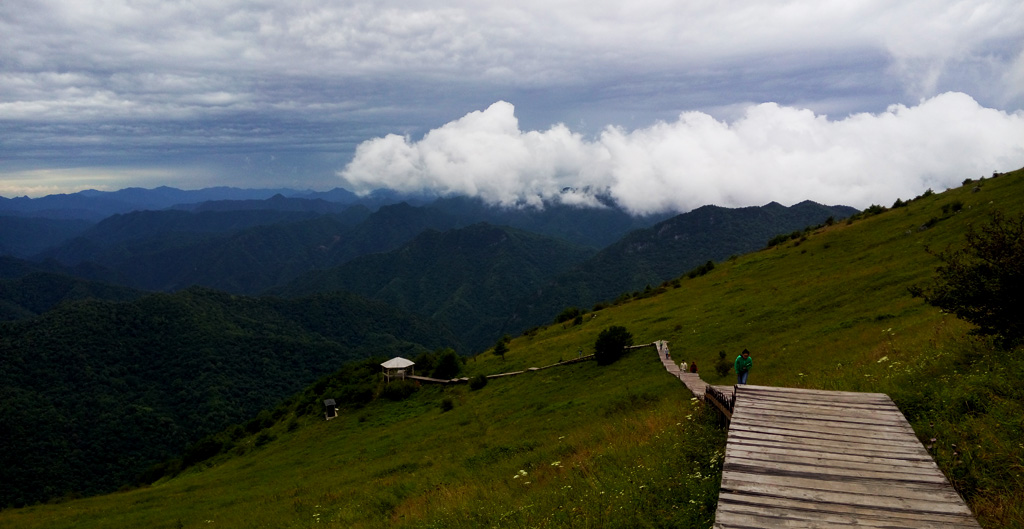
(721, 400)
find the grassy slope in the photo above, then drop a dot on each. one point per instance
(830, 312)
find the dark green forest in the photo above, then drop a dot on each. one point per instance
(466, 279)
(94, 392)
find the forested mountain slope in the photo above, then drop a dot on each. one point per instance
(669, 249)
(464, 278)
(94, 392)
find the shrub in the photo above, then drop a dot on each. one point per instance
(447, 404)
(478, 382)
(722, 366)
(568, 314)
(449, 364)
(398, 390)
(701, 270)
(611, 344)
(501, 346)
(983, 282)
(204, 449)
(872, 210)
(264, 438)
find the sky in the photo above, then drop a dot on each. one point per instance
(656, 105)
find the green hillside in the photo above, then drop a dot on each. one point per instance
(648, 256)
(623, 445)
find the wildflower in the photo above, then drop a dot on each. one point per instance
(883, 359)
(556, 463)
(520, 474)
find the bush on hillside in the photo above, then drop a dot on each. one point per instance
(568, 314)
(478, 382)
(723, 365)
(449, 364)
(501, 346)
(983, 282)
(701, 270)
(398, 390)
(611, 344)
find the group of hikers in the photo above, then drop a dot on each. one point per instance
(742, 365)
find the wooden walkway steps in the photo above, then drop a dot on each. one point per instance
(799, 458)
(692, 381)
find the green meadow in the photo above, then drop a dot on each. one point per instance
(625, 445)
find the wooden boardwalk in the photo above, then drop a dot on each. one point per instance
(799, 458)
(804, 458)
(692, 381)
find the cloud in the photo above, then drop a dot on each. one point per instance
(143, 59)
(165, 82)
(771, 153)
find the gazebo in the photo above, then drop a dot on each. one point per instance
(396, 367)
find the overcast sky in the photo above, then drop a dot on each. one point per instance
(660, 105)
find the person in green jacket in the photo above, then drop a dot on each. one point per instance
(743, 364)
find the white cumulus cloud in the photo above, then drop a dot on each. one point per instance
(771, 153)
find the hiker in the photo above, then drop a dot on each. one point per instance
(743, 364)
(579, 353)
(683, 367)
(693, 367)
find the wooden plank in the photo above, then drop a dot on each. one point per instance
(833, 512)
(805, 433)
(795, 465)
(801, 436)
(835, 458)
(824, 410)
(837, 449)
(782, 468)
(886, 421)
(830, 431)
(858, 492)
(826, 394)
(786, 519)
(769, 398)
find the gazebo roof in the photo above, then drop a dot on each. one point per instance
(397, 363)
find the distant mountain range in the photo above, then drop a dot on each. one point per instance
(464, 278)
(180, 312)
(429, 259)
